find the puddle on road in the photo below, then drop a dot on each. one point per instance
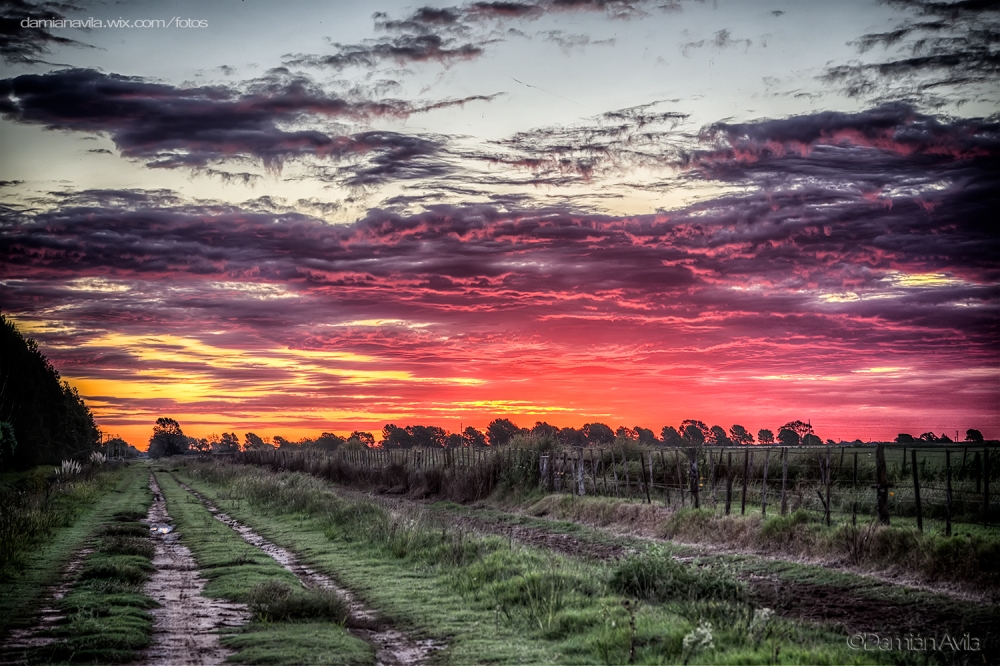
(185, 624)
(392, 647)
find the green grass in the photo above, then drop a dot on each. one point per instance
(286, 632)
(106, 618)
(71, 516)
(495, 602)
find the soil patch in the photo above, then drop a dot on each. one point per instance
(392, 647)
(186, 624)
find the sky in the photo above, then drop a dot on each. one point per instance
(310, 216)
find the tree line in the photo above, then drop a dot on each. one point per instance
(43, 420)
(169, 439)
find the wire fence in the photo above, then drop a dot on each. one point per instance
(947, 486)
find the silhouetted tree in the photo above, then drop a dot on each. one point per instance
(798, 427)
(929, 437)
(788, 437)
(167, 439)
(228, 443)
(598, 433)
(543, 429)
(694, 433)
(904, 438)
(427, 436)
(116, 447)
(572, 437)
(718, 437)
(624, 433)
(499, 432)
(811, 440)
(974, 436)
(645, 436)
(283, 443)
(201, 445)
(944, 438)
(740, 436)
(670, 437)
(473, 437)
(365, 438)
(252, 442)
(765, 436)
(394, 437)
(48, 420)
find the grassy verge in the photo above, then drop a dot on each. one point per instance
(495, 602)
(290, 625)
(42, 526)
(972, 559)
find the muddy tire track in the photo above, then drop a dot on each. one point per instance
(392, 646)
(48, 616)
(186, 624)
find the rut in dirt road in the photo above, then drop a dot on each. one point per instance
(185, 624)
(392, 647)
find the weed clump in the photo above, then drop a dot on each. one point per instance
(275, 601)
(656, 576)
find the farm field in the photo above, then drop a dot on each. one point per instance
(251, 564)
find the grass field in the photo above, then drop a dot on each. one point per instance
(522, 575)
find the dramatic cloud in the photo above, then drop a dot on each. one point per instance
(170, 127)
(27, 45)
(449, 34)
(948, 53)
(815, 292)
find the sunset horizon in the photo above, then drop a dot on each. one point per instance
(572, 213)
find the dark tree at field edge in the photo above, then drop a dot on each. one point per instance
(47, 417)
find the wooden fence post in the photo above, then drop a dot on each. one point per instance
(666, 486)
(746, 474)
(614, 473)
(581, 479)
(593, 471)
(693, 474)
(729, 482)
(784, 479)
(642, 473)
(916, 490)
(829, 475)
(680, 475)
(604, 473)
(947, 465)
(628, 481)
(763, 488)
(711, 474)
(881, 485)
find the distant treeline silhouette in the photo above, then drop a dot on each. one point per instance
(43, 420)
(169, 439)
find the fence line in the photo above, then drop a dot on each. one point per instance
(882, 480)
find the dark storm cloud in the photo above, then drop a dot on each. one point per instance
(168, 127)
(28, 45)
(947, 53)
